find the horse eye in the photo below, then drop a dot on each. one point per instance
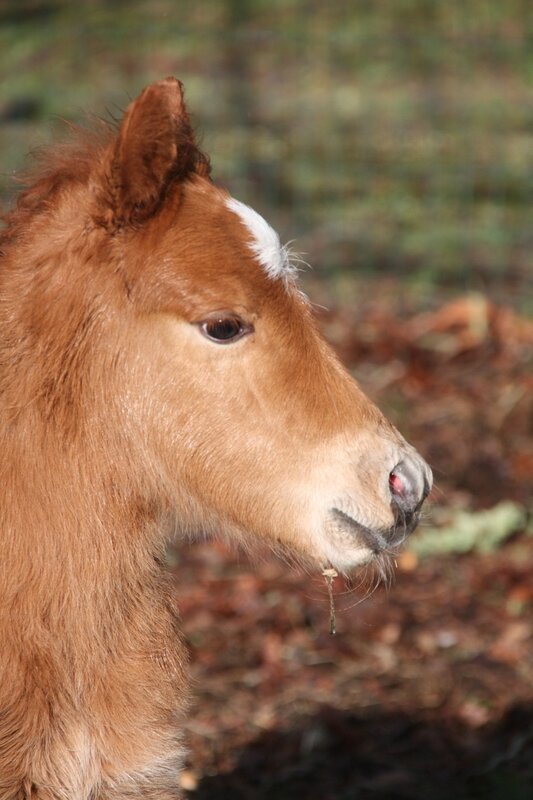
(223, 329)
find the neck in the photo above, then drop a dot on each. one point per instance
(80, 551)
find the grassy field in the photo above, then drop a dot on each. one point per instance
(389, 138)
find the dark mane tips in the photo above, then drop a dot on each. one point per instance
(124, 162)
(55, 167)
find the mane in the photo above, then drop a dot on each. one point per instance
(54, 167)
(71, 162)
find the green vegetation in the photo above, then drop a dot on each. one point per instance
(479, 531)
(388, 137)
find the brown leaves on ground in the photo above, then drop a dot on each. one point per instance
(458, 382)
(427, 689)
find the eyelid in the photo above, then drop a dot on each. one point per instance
(222, 313)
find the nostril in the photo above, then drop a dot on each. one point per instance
(396, 484)
(406, 487)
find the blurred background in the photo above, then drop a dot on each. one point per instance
(393, 141)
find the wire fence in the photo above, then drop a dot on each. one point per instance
(388, 138)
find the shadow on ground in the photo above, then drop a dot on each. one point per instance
(337, 755)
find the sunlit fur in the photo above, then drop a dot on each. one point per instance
(264, 242)
(122, 425)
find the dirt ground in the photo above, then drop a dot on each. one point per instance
(426, 691)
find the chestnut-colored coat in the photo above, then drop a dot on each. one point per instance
(124, 422)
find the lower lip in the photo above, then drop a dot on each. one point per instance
(376, 541)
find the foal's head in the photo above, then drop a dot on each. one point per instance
(167, 309)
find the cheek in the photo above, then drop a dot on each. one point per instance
(226, 426)
(201, 392)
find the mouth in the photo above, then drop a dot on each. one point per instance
(376, 540)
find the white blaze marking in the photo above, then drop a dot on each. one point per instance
(265, 244)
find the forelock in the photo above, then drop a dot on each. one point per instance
(264, 243)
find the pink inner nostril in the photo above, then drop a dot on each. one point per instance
(396, 485)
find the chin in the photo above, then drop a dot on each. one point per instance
(348, 544)
(348, 559)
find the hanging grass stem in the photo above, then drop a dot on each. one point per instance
(329, 576)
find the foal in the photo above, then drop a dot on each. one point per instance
(159, 372)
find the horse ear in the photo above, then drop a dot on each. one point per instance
(155, 148)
